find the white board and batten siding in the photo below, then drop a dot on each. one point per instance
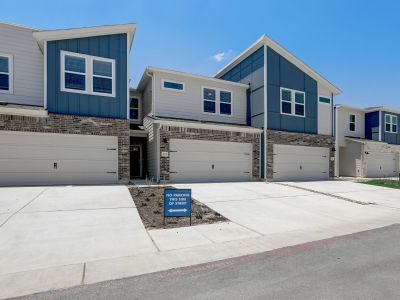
(300, 163)
(209, 161)
(188, 103)
(325, 116)
(27, 65)
(46, 159)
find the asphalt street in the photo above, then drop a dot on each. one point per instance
(364, 265)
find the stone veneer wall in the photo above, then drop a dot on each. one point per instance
(67, 124)
(170, 132)
(298, 139)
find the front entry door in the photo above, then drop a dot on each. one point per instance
(136, 161)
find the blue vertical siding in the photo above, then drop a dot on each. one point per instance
(372, 126)
(389, 137)
(282, 73)
(108, 46)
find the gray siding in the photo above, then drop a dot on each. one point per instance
(189, 105)
(108, 46)
(28, 65)
(282, 73)
(152, 148)
(147, 96)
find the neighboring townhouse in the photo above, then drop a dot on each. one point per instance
(368, 141)
(293, 105)
(64, 105)
(196, 128)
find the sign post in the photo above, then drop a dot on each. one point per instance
(178, 203)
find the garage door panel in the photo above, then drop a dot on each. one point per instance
(193, 161)
(381, 164)
(300, 163)
(29, 158)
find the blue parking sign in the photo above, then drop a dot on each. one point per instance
(177, 203)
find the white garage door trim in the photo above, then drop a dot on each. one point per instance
(209, 161)
(30, 158)
(381, 164)
(300, 163)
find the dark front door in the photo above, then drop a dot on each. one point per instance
(136, 161)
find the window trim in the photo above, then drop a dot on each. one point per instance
(293, 102)
(171, 89)
(10, 74)
(217, 101)
(391, 123)
(350, 122)
(139, 109)
(88, 74)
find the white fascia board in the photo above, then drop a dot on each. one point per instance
(222, 127)
(19, 26)
(383, 108)
(63, 34)
(338, 106)
(284, 53)
(184, 74)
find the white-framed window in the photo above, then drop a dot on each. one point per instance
(352, 122)
(134, 108)
(225, 103)
(390, 123)
(87, 74)
(172, 85)
(6, 73)
(216, 101)
(209, 100)
(293, 102)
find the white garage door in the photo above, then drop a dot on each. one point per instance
(300, 163)
(40, 159)
(206, 161)
(381, 164)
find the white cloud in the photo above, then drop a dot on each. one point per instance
(225, 55)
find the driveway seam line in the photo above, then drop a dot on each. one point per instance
(151, 238)
(83, 273)
(16, 212)
(203, 235)
(326, 194)
(79, 209)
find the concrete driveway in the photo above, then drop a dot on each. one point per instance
(361, 192)
(42, 227)
(275, 209)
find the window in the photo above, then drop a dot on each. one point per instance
(292, 102)
(390, 123)
(87, 74)
(6, 73)
(325, 100)
(352, 122)
(225, 103)
(173, 85)
(134, 109)
(209, 100)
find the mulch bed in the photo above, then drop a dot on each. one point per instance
(150, 204)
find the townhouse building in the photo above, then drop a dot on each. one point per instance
(368, 141)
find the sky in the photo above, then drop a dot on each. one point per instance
(354, 44)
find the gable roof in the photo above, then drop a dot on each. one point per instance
(62, 34)
(370, 109)
(265, 40)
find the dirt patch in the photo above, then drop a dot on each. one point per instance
(150, 204)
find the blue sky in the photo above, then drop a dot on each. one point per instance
(354, 44)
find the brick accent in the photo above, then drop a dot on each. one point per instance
(169, 132)
(297, 139)
(68, 124)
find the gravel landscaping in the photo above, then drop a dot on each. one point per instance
(150, 204)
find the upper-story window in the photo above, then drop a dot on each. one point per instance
(352, 122)
(292, 102)
(134, 109)
(390, 123)
(217, 101)
(6, 73)
(173, 85)
(87, 74)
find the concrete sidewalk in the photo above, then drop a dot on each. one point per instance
(97, 238)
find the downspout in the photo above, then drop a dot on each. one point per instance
(335, 113)
(265, 112)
